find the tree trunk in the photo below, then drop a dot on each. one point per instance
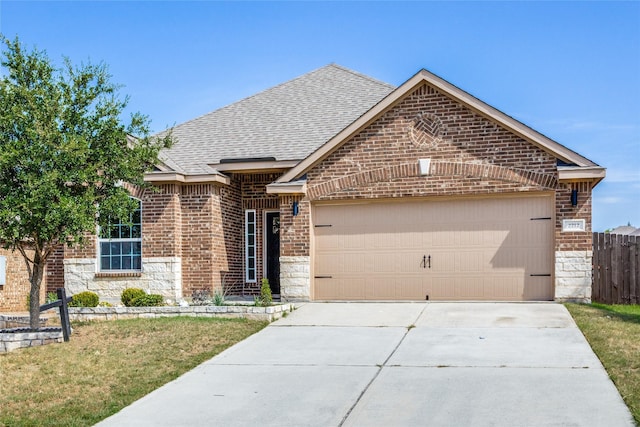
(35, 278)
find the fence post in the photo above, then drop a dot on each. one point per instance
(607, 262)
(634, 270)
(595, 269)
(624, 252)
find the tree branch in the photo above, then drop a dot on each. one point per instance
(27, 260)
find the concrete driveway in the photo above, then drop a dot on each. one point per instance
(396, 364)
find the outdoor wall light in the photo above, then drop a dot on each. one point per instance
(574, 197)
(296, 209)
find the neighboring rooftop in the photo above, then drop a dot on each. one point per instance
(288, 121)
(628, 230)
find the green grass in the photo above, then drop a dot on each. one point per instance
(107, 366)
(613, 331)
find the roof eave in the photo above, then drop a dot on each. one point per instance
(578, 173)
(296, 187)
(174, 177)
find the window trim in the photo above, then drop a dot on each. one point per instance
(100, 240)
(250, 249)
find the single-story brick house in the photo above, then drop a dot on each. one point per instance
(336, 186)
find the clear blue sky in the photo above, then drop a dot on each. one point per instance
(570, 70)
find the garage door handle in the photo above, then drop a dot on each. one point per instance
(426, 261)
(323, 277)
(540, 275)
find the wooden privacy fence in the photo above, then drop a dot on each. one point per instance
(616, 270)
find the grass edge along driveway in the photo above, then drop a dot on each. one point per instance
(107, 366)
(613, 331)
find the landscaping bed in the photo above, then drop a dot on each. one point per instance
(268, 314)
(15, 338)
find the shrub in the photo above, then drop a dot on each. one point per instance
(265, 293)
(218, 298)
(130, 294)
(51, 297)
(200, 297)
(152, 300)
(84, 299)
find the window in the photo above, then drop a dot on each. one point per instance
(120, 244)
(250, 245)
(3, 270)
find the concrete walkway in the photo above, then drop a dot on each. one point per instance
(396, 364)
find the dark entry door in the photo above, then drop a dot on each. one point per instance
(272, 231)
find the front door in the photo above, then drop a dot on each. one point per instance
(272, 250)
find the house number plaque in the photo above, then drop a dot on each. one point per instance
(573, 225)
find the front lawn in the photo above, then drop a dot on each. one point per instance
(107, 366)
(613, 331)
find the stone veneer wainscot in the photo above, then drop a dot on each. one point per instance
(295, 279)
(573, 276)
(159, 276)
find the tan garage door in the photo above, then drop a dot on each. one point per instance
(458, 249)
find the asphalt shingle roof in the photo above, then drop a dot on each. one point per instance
(288, 121)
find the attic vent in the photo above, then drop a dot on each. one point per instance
(248, 159)
(563, 163)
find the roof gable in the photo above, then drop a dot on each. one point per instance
(287, 122)
(555, 149)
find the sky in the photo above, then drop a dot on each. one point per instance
(570, 70)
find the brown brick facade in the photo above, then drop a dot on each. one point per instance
(228, 239)
(54, 274)
(469, 153)
(161, 220)
(13, 295)
(294, 230)
(198, 214)
(573, 241)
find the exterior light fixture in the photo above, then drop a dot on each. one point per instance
(574, 197)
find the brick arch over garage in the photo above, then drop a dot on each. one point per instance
(437, 168)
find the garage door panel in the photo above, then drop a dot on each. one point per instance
(507, 288)
(538, 288)
(381, 288)
(479, 248)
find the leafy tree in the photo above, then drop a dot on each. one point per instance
(64, 155)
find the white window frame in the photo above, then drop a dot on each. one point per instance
(3, 270)
(250, 250)
(101, 240)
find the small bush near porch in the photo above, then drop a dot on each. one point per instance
(108, 365)
(613, 331)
